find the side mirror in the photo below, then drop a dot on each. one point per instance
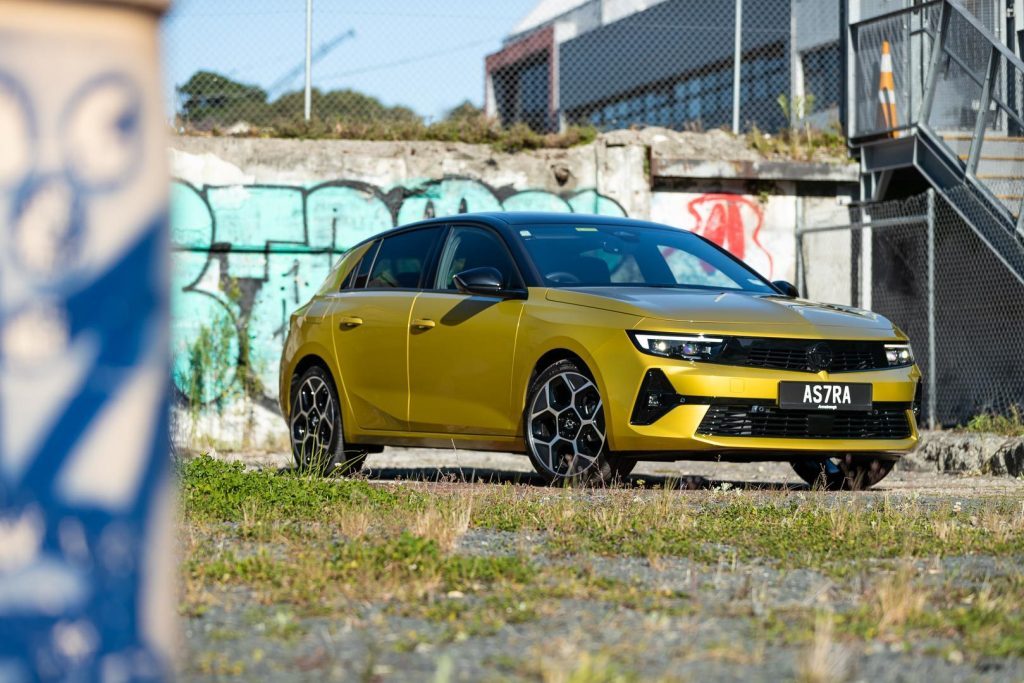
(786, 288)
(485, 280)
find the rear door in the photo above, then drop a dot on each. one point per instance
(461, 347)
(370, 323)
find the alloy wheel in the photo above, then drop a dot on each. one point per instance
(566, 425)
(312, 429)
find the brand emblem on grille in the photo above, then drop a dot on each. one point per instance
(819, 357)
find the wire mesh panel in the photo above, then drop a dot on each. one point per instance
(979, 325)
(896, 44)
(978, 302)
(390, 70)
(899, 274)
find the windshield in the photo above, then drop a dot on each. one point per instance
(581, 256)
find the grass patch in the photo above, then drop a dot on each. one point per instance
(824, 532)
(476, 130)
(216, 491)
(987, 619)
(1011, 424)
(315, 578)
(295, 546)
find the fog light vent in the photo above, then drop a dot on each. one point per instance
(657, 397)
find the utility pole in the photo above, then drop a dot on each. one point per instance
(736, 63)
(309, 58)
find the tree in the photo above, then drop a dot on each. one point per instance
(466, 110)
(347, 106)
(211, 99)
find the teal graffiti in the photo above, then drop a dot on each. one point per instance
(255, 253)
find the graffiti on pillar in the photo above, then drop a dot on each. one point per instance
(83, 379)
(246, 256)
(734, 223)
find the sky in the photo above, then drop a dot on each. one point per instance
(425, 54)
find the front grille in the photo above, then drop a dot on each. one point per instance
(795, 354)
(882, 422)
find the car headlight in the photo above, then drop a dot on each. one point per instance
(899, 355)
(682, 346)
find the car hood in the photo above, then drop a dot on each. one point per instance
(721, 308)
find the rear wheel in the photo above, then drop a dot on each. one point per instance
(318, 442)
(566, 434)
(843, 472)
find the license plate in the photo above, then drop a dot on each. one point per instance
(832, 396)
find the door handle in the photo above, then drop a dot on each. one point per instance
(423, 324)
(350, 321)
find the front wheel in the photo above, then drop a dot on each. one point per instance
(566, 434)
(318, 442)
(843, 472)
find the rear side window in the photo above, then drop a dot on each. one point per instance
(402, 259)
(350, 277)
(356, 278)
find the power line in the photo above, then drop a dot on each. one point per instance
(409, 60)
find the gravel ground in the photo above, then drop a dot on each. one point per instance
(710, 627)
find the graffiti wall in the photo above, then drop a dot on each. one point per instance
(756, 228)
(257, 224)
(246, 256)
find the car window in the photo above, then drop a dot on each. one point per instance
(692, 270)
(350, 277)
(401, 259)
(471, 247)
(596, 256)
(361, 273)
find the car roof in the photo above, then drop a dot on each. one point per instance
(508, 220)
(533, 219)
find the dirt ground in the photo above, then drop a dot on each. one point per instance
(610, 613)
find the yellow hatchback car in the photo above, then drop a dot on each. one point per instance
(588, 344)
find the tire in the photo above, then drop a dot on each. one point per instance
(315, 430)
(843, 472)
(565, 430)
(622, 467)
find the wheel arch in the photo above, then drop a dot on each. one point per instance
(301, 366)
(565, 349)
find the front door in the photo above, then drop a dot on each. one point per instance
(370, 321)
(461, 347)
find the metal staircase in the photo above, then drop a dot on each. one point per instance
(959, 121)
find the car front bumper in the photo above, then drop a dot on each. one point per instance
(702, 387)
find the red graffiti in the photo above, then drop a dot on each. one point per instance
(733, 222)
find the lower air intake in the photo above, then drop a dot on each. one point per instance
(888, 422)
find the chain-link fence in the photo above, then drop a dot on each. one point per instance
(917, 262)
(395, 69)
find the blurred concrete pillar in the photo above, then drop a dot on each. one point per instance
(86, 568)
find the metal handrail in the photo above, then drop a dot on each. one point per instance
(988, 97)
(924, 29)
(998, 55)
(891, 14)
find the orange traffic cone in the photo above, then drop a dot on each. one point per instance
(887, 90)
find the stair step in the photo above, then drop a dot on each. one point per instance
(992, 145)
(993, 157)
(995, 138)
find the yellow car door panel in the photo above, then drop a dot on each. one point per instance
(370, 326)
(375, 390)
(460, 366)
(462, 346)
